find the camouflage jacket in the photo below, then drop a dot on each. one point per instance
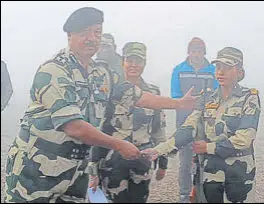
(114, 65)
(230, 127)
(149, 125)
(63, 91)
(142, 127)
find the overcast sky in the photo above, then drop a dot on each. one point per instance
(31, 32)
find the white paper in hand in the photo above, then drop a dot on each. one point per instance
(97, 196)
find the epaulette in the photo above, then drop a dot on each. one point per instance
(155, 88)
(61, 59)
(101, 62)
(254, 91)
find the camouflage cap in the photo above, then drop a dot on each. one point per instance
(229, 56)
(108, 39)
(134, 48)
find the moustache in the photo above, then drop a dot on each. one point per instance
(90, 44)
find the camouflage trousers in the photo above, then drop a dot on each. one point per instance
(38, 176)
(230, 180)
(125, 181)
(218, 192)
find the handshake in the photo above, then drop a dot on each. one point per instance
(146, 155)
(149, 154)
(131, 152)
(198, 147)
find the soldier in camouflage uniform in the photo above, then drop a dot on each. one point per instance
(123, 180)
(107, 54)
(231, 119)
(47, 161)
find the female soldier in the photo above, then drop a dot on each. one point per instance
(230, 121)
(125, 180)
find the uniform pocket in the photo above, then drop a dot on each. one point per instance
(48, 164)
(232, 117)
(35, 175)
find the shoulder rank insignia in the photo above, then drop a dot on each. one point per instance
(254, 91)
(212, 106)
(104, 88)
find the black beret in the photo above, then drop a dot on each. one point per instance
(82, 18)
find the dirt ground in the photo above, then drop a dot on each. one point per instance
(166, 190)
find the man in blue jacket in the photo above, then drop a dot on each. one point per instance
(198, 72)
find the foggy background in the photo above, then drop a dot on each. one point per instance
(31, 32)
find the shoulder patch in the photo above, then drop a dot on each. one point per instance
(254, 91)
(59, 59)
(212, 106)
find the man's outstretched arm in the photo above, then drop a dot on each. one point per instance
(151, 101)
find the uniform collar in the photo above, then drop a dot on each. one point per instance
(70, 54)
(236, 91)
(143, 84)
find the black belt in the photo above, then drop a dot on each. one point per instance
(68, 149)
(236, 153)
